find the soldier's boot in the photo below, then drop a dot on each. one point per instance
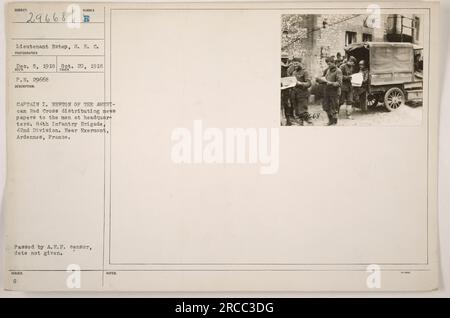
(333, 119)
(330, 119)
(289, 120)
(287, 116)
(349, 111)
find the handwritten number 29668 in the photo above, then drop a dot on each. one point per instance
(46, 18)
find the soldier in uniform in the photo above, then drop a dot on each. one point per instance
(347, 69)
(339, 59)
(285, 93)
(361, 92)
(300, 93)
(332, 82)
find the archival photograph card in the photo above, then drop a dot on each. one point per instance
(159, 147)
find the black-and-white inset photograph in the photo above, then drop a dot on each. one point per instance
(351, 70)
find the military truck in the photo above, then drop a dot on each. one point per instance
(395, 72)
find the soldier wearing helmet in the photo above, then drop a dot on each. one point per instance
(300, 93)
(347, 69)
(332, 81)
(285, 93)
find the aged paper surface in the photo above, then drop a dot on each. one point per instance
(150, 146)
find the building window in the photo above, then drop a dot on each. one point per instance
(350, 37)
(367, 37)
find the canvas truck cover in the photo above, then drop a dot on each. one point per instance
(389, 62)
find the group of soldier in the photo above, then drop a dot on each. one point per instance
(335, 83)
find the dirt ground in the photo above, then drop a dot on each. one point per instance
(405, 115)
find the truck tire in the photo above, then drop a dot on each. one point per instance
(372, 101)
(394, 98)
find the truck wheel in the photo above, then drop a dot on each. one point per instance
(372, 101)
(394, 98)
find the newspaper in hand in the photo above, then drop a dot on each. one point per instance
(357, 79)
(288, 82)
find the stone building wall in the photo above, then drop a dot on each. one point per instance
(315, 37)
(325, 35)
